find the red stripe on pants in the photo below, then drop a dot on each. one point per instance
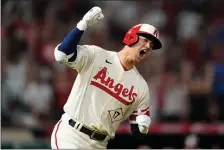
(56, 141)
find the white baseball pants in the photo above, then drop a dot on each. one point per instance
(66, 137)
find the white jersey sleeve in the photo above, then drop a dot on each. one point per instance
(85, 56)
(142, 108)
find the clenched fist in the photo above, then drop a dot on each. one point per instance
(93, 16)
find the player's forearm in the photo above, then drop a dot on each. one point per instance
(70, 42)
(67, 49)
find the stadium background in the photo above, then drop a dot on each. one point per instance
(186, 77)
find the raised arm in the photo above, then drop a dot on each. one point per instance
(67, 50)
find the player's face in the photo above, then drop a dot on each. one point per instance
(142, 49)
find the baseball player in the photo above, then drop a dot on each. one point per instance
(108, 88)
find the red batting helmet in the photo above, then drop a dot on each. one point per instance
(146, 30)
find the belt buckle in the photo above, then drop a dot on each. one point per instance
(92, 135)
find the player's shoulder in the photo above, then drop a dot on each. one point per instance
(141, 78)
(138, 74)
(94, 48)
(142, 85)
(102, 49)
(90, 47)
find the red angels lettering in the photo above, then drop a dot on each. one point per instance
(106, 83)
(132, 95)
(155, 33)
(109, 82)
(125, 92)
(118, 88)
(101, 75)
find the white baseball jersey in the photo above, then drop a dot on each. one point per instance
(104, 94)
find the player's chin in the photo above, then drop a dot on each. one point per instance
(138, 59)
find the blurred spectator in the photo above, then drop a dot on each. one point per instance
(189, 21)
(35, 100)
(16, 54)
(7, 107)
(155, 15)
(172, 90)
(198, 75)
(217, 46)
(37, 93)
(62, 85)
(117, 26)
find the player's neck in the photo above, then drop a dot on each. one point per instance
(125, 60)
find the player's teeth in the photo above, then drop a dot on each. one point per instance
(143, 51)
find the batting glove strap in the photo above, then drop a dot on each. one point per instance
(82, 25)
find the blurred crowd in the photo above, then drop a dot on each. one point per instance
(185, 77)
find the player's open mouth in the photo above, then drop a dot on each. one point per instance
(142, 52)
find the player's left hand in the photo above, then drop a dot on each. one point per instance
(144, 122)
(93, 16)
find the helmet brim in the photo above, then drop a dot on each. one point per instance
(156, 42)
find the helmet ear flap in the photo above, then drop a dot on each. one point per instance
(134, 40)
(130, 38)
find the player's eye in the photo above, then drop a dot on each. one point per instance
(151, 46)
